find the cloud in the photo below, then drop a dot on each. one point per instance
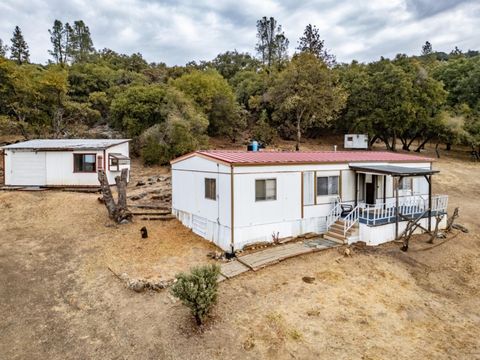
(177, 31)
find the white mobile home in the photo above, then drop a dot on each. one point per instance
(64, 162)
(235, 198)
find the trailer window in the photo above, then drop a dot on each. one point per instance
(327, 185)
(210, 189)
(84, 163)
(265, 189)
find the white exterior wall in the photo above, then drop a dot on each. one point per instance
(208, 218)
(376, 235)
(54, 168)
(118, 149)
(256, 221)
(359, 141)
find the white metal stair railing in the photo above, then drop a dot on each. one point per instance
(351, 219)
(334, 214)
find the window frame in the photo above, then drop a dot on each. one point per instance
(83, 171)
(409, 181)
(328, 185)
(207, 187)
(265, 189)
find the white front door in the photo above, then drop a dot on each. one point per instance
(28, 168)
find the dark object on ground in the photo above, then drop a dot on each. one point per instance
(229, 255)
(140, 183)
(144, 232)
(198, 290)
(117, 211)
(308, 279)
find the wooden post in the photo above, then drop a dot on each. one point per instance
(384, 192)
(429, 179)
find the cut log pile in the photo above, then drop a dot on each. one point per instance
(150, 199)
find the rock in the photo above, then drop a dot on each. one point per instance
(124, 221)
(441, 235)
(347, 252)
(140, 183)
(308, 279)
(136, 285)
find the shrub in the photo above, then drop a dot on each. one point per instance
(262, 131)
(198, 290)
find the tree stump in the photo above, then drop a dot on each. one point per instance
(116, 211)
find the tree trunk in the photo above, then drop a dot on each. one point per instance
(372, 141)
(299, 136)
(449, 147)
(422, 145)
(394, 141)
(116, 211)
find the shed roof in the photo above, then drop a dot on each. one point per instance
(393, 170)
(302, 157)
(66, 144)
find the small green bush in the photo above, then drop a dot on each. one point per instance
(198, 290)
(262, 131)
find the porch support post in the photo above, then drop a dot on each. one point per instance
(397, 181)
(429, 180)
(384, 192)
(356, 188)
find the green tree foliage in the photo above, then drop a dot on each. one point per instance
(427, 48)
(19, 48)
(272, 45)
(229, 63)
(305, 94)
(214, 97)
(59, 40)
(81, 42)
(262, 131)
(3, 49)
(198, 290)
(312, 43)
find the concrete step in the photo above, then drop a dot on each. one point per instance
(338, 231)
(331, 238)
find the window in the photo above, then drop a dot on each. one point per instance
(327, 185)
(405, 184)
(210, 189)
(84, 163)
(308, 188)
(265, 189)
(349, 138)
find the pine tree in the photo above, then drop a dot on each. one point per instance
(272, 43)
(58, 37)
(19, 49)
(81, 45)
(312, 43)
(427, 48)
(3, 49)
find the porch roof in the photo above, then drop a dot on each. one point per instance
(393, 170)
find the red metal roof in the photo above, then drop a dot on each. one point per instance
(302, 157)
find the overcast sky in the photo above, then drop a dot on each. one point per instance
(176, 32)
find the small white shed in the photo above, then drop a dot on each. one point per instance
(236, 198)
(356, 141)
(64, 162)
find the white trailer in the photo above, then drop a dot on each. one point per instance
(64, 162)
(236, 198)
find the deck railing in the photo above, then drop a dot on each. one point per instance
(380, 213)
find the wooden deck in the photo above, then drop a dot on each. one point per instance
(272, 255)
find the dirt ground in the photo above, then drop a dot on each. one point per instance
(58, 299)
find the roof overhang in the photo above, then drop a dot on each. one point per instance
(393, 170)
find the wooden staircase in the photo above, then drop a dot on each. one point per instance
(335, 232)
